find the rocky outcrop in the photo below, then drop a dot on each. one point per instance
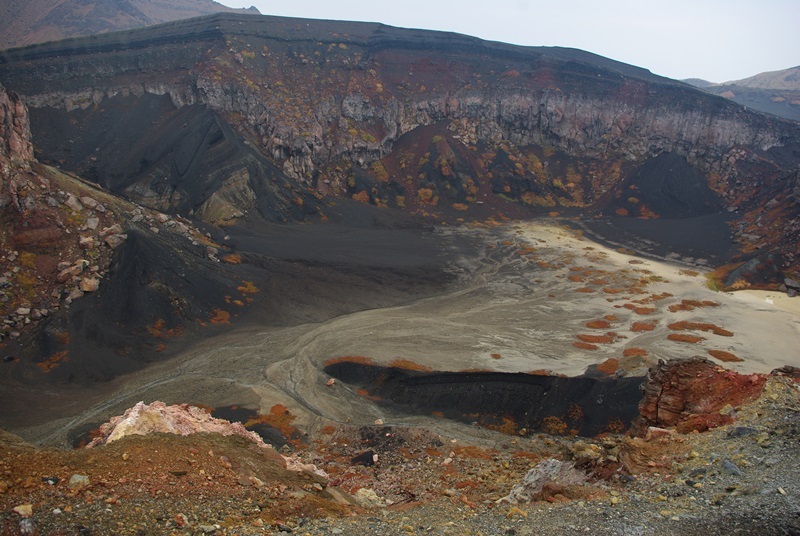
(15, 134)
(157, 417)
(184, 419)
(548, 478)
(693, 394)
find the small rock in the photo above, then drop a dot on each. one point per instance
(89, 284)
(73, 203)
(25, 510)
(114, 229)
(207, 529)
(367, 498)
(654, 432)
(330, 382)
(88, 202)
(76, 294)
(181, 520)
(23, 311)
(115, 240)
(78, 482)
(514, 511)
(92, 223)
(730, 468)
(741, 431)
(379, 422)
(27, 527)
(3, 486)
(366, 459)
(68, 273)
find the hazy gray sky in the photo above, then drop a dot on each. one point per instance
(718, 40)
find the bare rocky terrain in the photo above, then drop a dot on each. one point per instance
(370, 246)
(737, 478)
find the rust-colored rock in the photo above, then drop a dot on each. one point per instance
(688, 395)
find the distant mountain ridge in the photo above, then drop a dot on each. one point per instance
(28, 22)
(773, 92)
(787, 79)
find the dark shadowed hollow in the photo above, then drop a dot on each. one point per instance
(583, 405)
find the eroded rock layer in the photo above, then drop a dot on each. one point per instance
(270, 115)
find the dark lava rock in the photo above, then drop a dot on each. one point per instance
(740, 431)
(366, 459)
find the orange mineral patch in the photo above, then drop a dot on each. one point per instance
(598, 324)
(691, 305)
(684, 325)
(634, 352)
(585, 345)
(643, 326)
(609, 366)
(722, 355)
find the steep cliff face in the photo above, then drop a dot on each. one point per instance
(84, 289)
(437, 124)
(15, 133)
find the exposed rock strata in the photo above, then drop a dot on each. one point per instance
(429, 122)
(693, 394)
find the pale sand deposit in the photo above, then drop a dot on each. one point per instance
(531, 310)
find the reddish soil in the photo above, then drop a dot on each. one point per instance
(724, 356)
(683, 337)
(684, 325)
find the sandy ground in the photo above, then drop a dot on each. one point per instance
(538, 297)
